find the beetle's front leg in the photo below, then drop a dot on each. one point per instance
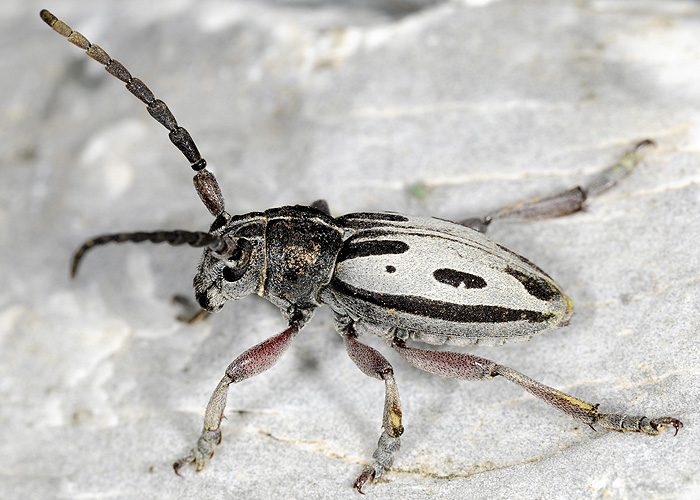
(373, 364)
(252, 362)
(469, 367)
(566, 202)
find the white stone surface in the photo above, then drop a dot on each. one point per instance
(482, 104)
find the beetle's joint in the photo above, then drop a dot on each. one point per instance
(200, 164)
(222, 248)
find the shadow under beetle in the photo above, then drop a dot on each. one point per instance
(401, 277)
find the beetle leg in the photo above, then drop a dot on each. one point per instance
(252, 362)
(446, 363)
(321, 205)
(373, 364)
(586, 412)
(565, 202)
(469, 367)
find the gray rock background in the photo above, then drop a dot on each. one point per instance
(449, 109)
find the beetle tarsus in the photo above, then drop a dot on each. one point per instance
(203, 450)
(181, 463)
(382, 460)
(637, 423)
(612, 175)
(661, 423)
(362, 479)
(643, 144)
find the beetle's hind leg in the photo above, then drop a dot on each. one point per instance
(586, 412)
(373, 364)
(469, 367)
(565, 202)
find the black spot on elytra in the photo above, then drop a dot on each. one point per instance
(535, 286)
(390, 269)
(456, 278)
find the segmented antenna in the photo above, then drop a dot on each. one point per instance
(219, 244)
(205, 183)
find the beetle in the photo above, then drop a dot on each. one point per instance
(404, 278)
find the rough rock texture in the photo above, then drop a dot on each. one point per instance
(449, 109)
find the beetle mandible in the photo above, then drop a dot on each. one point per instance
(401, 277)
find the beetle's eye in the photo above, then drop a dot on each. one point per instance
(232, 274)
(237, 264)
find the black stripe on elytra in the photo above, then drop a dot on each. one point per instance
(522, 259)
(436, 309)
(365, 248)
(376, 216)
(364, 220)
(456, 278)
(535, 286)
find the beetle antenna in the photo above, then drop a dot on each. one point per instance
(221, 245)
(205, 183)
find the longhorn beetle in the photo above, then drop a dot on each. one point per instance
(398, 276)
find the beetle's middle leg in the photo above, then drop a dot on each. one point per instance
(469, 367)
(373, 364)
(565, 202)
(252, 362)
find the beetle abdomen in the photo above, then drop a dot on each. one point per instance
(439, 282)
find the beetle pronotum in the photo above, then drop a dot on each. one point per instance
(398, 276)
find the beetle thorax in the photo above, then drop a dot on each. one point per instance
(284, 254)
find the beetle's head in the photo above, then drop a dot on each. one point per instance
(237, 270)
